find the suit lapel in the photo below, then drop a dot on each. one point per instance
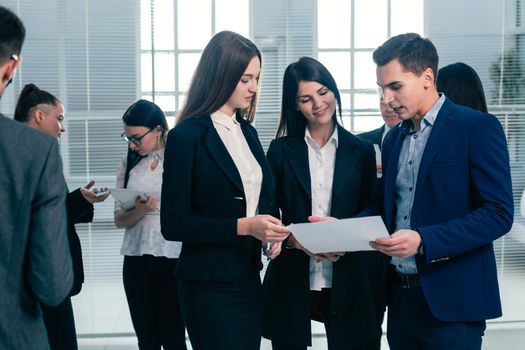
(297, 155)
(345, 163)
(437, 135)
(220, 154)
(379, 136)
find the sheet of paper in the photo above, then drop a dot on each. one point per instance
(126, 197)
(345, 235)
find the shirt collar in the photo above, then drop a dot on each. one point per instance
(229, 122)
(428, 120)
(333, 139)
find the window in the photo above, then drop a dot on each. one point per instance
(100, 56)
(173, 35)
(346, 39)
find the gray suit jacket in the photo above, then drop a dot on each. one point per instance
(35, 263)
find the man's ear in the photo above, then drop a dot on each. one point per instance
(9, 69)
(428, 77)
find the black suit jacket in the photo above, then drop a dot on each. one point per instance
(374, 136)
(357, 297)
(78, 210)
(202, 198)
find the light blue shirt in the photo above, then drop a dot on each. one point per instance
(407, 170)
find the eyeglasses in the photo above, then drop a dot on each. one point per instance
(15, 58)
(134, 139)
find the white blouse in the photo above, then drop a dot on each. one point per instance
(249, 169)
(322, 165)
(144, 237)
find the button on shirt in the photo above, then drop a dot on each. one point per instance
(322, 163)
(231, 134)
(408, 168)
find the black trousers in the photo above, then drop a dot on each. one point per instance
(152, 293)
(60, 326)
(411, 325)
(223, 315)
(320, 311)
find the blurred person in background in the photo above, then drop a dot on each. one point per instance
(43, 111)
(149, 259)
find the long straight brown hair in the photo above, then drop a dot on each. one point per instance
(222, 64)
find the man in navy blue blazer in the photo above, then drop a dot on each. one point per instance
(447, 197)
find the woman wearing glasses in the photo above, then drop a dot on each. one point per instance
(149, 260)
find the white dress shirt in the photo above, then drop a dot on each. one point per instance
(385, 131)
(322, 164)
(249, 169)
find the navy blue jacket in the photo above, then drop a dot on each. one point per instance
(463, 202)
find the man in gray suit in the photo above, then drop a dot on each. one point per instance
(35, 263)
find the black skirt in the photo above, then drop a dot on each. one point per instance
(222, 315)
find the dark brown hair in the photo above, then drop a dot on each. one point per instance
(222, 64)
(414, 53)
(30, 97)
(147, 114)
(12, 34)
(461, 84)
(292, 120)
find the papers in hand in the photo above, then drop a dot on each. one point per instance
(126, 198)
(345, 235)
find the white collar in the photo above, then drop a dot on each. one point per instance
(221, 118)
(334, 138)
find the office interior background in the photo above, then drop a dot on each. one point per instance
(99, 56)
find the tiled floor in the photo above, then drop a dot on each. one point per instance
(101, 311)
(498, 337)
(129, 343)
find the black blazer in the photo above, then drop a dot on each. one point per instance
(374, 136)
(202, 198)
(357, 297)
(78, 210)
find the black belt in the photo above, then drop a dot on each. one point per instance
(407, 281)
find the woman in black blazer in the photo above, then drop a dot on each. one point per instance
(44, 111)
(322, 170)
(216, 183)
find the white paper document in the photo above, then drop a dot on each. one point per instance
(126, 198)
(345, 235)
